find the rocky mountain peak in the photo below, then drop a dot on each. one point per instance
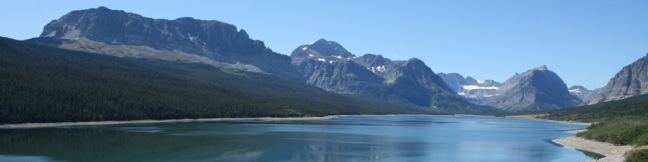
(329, 48)
(542, 68)
(321, 50)
(537, 89)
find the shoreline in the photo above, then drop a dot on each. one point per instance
(187, 120)
(151, 121)
(611, 152)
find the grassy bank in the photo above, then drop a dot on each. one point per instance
(621, 132)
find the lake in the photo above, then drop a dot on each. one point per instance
(346, 138)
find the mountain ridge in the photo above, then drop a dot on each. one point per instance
(215, 40)
(408, 82)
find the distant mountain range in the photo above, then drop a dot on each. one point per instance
(326, 64)
(538, 89)
(630, 81)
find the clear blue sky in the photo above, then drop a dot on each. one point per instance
(585, 41)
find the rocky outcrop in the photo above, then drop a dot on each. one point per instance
(632, 80)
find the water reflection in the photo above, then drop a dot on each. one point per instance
(352, 138)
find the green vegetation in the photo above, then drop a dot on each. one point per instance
(623, 132)
(45, 84)
(634, 108)
(637, 156)
(621, 122)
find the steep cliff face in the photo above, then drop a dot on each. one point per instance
(209, 39)
(632, 80)
(534, 90)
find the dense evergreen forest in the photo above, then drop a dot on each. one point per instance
(620, 122)
(46, 84)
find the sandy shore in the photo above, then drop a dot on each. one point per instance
(611, 152)
(91, 123)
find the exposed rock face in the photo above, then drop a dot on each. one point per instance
(207, 38)
(534, 90)
(456, 81)
(328, 65)
(632, 80)
(344, 77)
(581, 92)
(417, 83)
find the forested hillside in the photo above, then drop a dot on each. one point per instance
(45, 84)
(635, 108)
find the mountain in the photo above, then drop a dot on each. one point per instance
(324, 64)
(119, 33)
(344, 77)
(538, 89)
(322, 50)
(581, 92)
(456, 81)
(44, 84)
(328, 65)
(632, 80)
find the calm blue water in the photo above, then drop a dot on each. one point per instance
(349, 138)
